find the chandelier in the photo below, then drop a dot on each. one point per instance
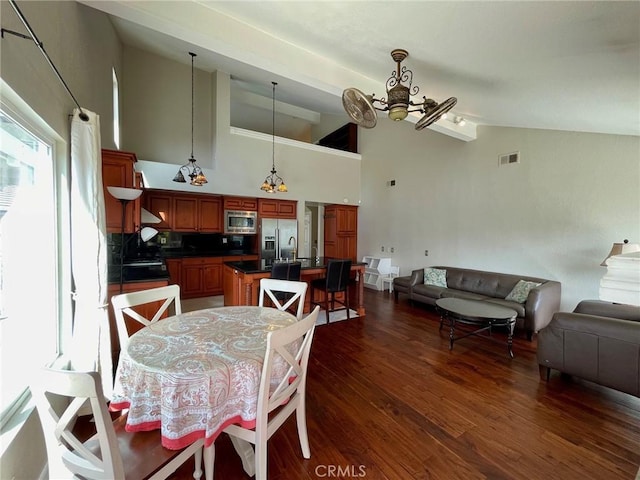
(191, 168)
(362, 108)
(273, 183)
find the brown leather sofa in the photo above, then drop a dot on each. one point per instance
(535, 313)
(599, 342)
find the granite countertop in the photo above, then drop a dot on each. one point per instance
(180, 253)
(261, 266)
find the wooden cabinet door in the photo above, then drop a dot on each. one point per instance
(185, 214)
(210, 215)
(277, 208)
(174, 266)
(161, 205)
(192, 280)
(347, 219)
(212, 280)
(287, 209)
(347, 247)
(117, 171)
(240, 203)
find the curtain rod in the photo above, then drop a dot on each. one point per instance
(83, 116)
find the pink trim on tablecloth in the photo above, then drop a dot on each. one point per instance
(182, 442)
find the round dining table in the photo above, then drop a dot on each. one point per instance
(193, 374)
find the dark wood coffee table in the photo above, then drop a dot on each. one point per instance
(479, 313)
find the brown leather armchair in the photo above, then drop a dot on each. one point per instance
(599, 341)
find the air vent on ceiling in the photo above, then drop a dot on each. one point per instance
(508, 158)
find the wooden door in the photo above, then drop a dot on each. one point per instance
(161, 205)
(212, 280)
(185, 214)
(347, 219)
(192, 280)
(210, 215)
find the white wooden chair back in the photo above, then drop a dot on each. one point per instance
(122, 305)
(291, 344)
(271, 286)
(67, 455)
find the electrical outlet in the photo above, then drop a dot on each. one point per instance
(163, 240)
(382, 248)
(391, 249)
(426, 253)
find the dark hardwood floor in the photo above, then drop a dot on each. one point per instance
(386, 399)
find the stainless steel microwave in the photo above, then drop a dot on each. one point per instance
(245, 222)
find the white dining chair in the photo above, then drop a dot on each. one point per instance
(112, 453)
(123, 303)
(270, 287)
(291, 344)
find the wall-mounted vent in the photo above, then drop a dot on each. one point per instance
(509, 158)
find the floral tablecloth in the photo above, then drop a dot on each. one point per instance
(193, 374)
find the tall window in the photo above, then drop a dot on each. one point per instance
(29, 270)
(116, 109)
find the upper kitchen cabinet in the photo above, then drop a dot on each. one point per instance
(118, 171)
(241, 203)
(186, 212)
(268, 208)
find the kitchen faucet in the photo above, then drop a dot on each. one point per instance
(294, 246)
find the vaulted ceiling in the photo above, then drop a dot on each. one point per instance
(551, 65)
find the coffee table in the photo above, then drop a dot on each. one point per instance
(479, 313)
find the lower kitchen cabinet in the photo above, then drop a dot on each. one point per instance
(200, 277)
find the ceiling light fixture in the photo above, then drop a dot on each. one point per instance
(191, 169)
(273, 183)
(362, 108)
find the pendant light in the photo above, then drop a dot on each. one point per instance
(273, 183)
(191, 169)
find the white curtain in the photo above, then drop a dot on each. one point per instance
(91, 346)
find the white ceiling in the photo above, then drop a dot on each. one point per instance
(553, 65)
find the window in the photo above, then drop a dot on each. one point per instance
(116, 109)
(31, 266)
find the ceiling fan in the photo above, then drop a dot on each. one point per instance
(362, 108)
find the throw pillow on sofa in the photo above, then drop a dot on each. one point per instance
(435, 276)
(520, 292)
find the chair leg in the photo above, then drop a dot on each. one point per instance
(301, 420)
(261, 459)
(197, 471)
(346, 301)
(326, 305)
(209, 458)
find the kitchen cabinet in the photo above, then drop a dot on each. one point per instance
(118, 171)
(200, 277)
(241, 203)
(186, 213)
(268, 208)
(159, 204)
(174, 267)
(341, 231)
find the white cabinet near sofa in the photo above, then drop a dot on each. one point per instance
(376, 269)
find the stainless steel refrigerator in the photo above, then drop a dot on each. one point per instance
(278, 238)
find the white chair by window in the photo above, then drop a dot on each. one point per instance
(394, 271)
(271, 287)
(112, 453)
(291, 344)
(152, 297)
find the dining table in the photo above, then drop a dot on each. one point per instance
(193, 374)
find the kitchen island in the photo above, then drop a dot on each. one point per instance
(241, 282)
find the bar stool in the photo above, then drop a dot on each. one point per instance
(336, 281)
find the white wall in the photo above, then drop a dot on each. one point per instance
(83, 46)
(157, 124)
(554, 215)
